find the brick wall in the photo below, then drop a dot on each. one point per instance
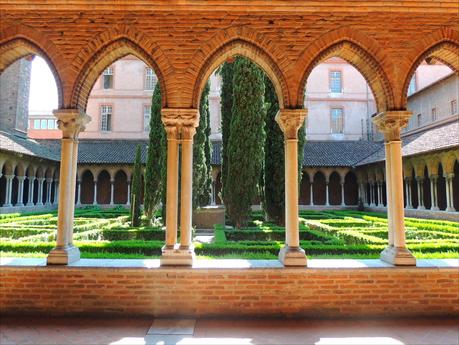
(262, 291)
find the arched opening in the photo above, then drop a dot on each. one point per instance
(334, 189)
(351, 189)
(120, 188)
(427, 190)
(87, 188)
(319, 189)
(455, 191)
(305, 190)
(441, 189)
(103, 188)
(384, 193)
(15, 188)
(3, 186)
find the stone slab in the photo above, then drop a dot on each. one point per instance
(172, 326)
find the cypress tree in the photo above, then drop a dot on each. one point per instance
(136, 189)
(206, 198)
(246, 142)
(226, 101)
(274, 175)
(155, 157)
(200, 169)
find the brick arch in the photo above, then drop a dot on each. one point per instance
(95, 61)
(20, 47)
(252, 51)
(360, 51)
(442, 45)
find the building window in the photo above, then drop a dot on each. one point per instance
(146, 117)
(150, 79)
(44, 124)
(412, 86)
(453, 107)
(108, 78)
(36, 124)
(335, 82)
(419, 118)
(434, 114)
(106, 118)
(51, 124)
(337, 120)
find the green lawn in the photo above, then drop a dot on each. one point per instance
(329, 234)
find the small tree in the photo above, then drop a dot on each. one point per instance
(246, 142)
(201, 193)
(155, 157)
(226, 101)
(274, 171)
(136, 189)
(206, 196)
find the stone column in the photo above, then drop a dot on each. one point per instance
(290, 120)
(128, 203)
(372, 194)
(40, 191)
(342, 194)
(449, 192)
(71, 122)
(31, 190)
(311, 191)
(433, 192)
(327, 197)
(180, 126)
(390, 123)
(20, 190)
(112, 192)
(380, 196)
(56, 191)
(49, 182)
(94, 201)
(9, 189)
(408, 192)
(78, 202)
(420, 181)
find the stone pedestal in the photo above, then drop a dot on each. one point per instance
(398, 256)
(292, 256)
(177, 256)
(63, 256)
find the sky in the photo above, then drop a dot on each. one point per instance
(43, 90)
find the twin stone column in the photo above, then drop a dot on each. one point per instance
(390, 123)
(71, 122)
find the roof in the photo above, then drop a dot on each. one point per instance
(40, 149)
(431, 139)
(316, 153)
(337, 153)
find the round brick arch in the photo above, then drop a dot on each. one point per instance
(358, 50)
(238, 41)
(20, 47)
(108, 47)
(441, 45)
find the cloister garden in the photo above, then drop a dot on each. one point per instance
(106, 233)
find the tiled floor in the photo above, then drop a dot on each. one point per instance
(79, 330)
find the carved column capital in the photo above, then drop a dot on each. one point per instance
(290, 120)
(180, 123)
(71, 122)
(391, 122)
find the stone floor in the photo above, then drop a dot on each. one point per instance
(78, 330)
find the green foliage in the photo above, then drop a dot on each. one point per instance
(136, 189)
(274, 179)
(246, 141)
(201, 163)
(226, 101)
(156, 157)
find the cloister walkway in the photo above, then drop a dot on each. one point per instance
(128, 331)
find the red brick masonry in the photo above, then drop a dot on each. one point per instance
(264, 291)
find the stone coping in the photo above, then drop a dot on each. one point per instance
(229, 263)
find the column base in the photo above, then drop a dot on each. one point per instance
(292, 256)
(63, 256)
(434, 208)
(450, 209)
(177, 256)
(421, 208)
(398, 256)
(19, 204)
